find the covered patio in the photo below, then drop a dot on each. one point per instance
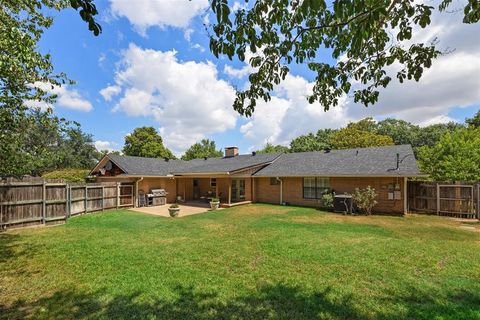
(231, 190)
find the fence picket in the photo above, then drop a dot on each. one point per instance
(25, 203)
(452, 199)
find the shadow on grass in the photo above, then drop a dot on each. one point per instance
(270, 302)
(9, 247)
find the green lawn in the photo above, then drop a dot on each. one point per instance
(254, 262)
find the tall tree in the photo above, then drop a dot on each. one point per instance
(205, 148)
(271, 148)
(22, 66)
(47, 143)
(313, 142)
(146, 142)
(363, 38)
(456, 157)
(431, 135)
(77, 149)
(474, 122)
(351, 137)
(401, 132)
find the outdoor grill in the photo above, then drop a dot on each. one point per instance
(157, 197)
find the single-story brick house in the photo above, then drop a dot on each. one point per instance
(278, 178)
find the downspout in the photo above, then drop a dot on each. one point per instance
(405, 195)
(136, 191)
(281, 190)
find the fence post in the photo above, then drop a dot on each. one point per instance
(44, 199)
(478, 201)
(118, 194)
(86, 194)
(67, 202)
(103, 198)
(438, 199)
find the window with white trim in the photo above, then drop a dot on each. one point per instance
(213, 182)
(314, 188)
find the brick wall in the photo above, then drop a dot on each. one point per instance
(293, 191)
(159, 183)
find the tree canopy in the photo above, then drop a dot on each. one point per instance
(44, 143)
(25, 76)
(456, 157)
(313, 142)
(271, 148)
(146, 142)
(203, 149)
(352, 137)
(363, 38)
(474, 122)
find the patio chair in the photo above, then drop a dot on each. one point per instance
(142, 198)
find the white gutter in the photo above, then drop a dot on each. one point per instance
(281, 190)
(136, 191)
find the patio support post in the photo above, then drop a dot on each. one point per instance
(184, 190)
(251, 189)
(229, 191)
(405, 195)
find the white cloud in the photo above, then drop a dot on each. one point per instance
(109, 92)
(237, 6)
(438, 119)
(105, 145)
(187, 34)
(143, 14)
(66, 98)
(452, 81)
(236, 73)
(199, 47)
(289, 114)
(186, 98)
(101, 58)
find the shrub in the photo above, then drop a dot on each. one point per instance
(70, 175)
(327, 200)
(174, 205)
(216, 199)
(364, 199)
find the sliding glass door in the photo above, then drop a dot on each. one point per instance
(238, 190)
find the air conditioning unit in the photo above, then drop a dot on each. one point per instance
(343, 203)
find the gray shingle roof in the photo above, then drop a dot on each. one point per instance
(380, 161)
(231, 164)
(146, 166)
(160, 167)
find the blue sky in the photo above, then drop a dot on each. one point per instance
(153, 57)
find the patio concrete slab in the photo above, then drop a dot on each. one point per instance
(185, 210)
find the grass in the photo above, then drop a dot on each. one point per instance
(249, 262)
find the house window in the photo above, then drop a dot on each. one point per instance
(213, 182)
(314, 188)
(274, 182)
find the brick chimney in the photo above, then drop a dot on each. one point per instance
(231, 152)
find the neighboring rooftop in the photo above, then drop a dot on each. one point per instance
(378, 161)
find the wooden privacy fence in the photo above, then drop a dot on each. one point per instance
(32, 202)
(449, 199)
